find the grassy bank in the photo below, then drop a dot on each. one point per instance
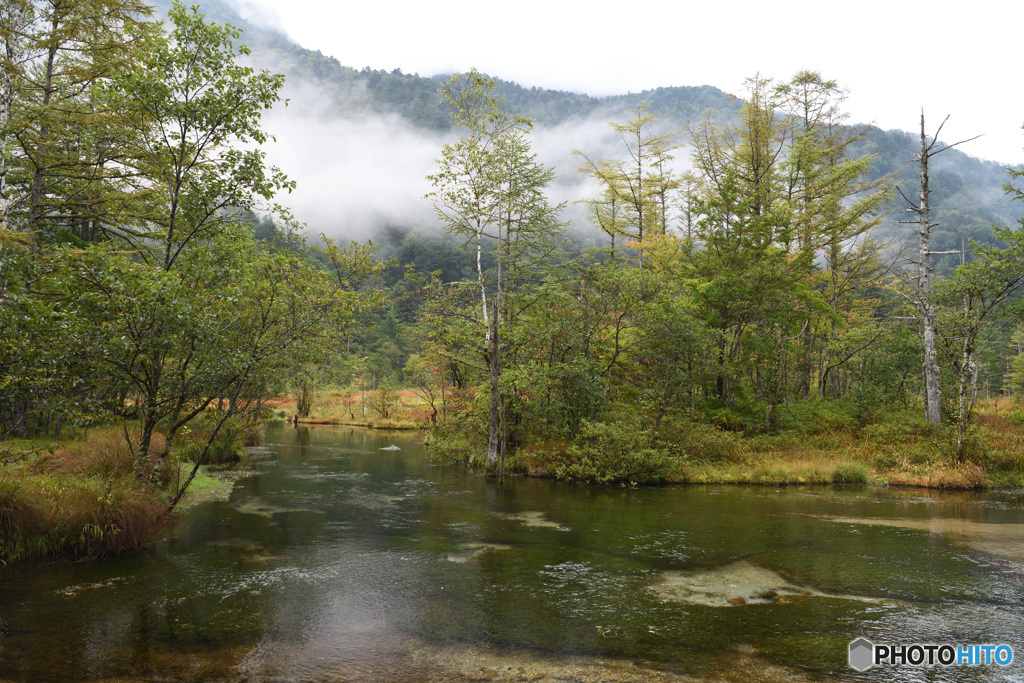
(80, 499)
(900, 450)
(823, 447)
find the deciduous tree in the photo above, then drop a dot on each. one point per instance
(490, 188)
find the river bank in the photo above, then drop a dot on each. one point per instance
(901, 450)
(80, 500)
(816, 443)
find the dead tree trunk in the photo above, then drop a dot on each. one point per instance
(925, 304)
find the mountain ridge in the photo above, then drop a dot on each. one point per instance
(968, 196)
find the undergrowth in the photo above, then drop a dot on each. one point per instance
(81, 499)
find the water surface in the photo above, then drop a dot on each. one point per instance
(338, 561)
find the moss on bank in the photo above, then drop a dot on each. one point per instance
(208, 485)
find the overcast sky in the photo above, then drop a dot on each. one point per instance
(894, 56)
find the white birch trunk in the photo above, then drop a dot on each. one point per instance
(480, 282)
(932, 386)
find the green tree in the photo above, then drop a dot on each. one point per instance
(59, 54)
(44, 368)
(15, 18)
(636, 192)
(835, 207)
(490, 188)
(964, 303)
(222, 326)
(196, 113)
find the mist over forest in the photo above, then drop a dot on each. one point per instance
(360, 143)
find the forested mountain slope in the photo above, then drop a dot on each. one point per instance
(967, 197)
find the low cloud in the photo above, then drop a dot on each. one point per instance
(356, 177)
(352, 176)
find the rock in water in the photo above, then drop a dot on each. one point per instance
(392, 447)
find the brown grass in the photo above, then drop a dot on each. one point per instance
(61, 516)
(336, 407)
(80, 501)
(103, 453)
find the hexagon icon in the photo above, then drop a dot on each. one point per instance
(862, 653)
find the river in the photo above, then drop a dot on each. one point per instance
(335, 560)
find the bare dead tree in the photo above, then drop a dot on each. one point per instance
(924, 302)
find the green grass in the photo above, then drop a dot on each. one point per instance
(205, 487)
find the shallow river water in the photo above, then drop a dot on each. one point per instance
(338, 561)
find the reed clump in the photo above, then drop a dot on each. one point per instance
(80, 501)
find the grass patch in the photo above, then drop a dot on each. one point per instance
(404, 409)
(73, 516)
(899, 450)
(80, 499)
(850, 473)
(207, 486)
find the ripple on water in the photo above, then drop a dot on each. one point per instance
(375, 501)
(665, 545)
(581, 589)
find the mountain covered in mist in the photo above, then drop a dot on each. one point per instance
(361, 141)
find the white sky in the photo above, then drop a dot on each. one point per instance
(894, 56)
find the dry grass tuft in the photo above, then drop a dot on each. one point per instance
(104, 452)
(71, 516)
(80, 501)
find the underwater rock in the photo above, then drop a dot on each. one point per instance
(534, 519)
(1002, 539)
(376, 501)
(471, 551)
(257, 507)
(718, 587)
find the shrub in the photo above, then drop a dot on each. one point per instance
(816, 416)
(696, 441)
(227, 447)
(614, 453)
(461, 435)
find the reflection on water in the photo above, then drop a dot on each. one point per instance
(336, 560)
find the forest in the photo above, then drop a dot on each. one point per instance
(759, 317)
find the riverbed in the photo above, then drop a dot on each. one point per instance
(338, 560)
